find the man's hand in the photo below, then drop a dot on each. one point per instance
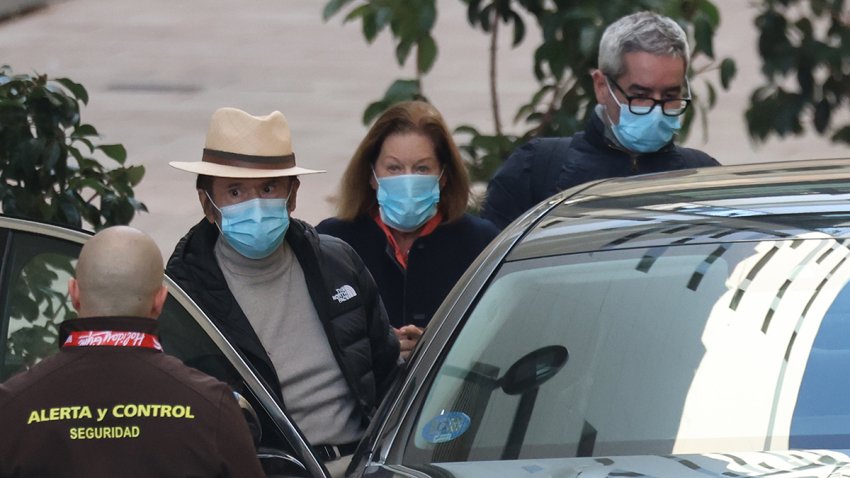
(408, 337)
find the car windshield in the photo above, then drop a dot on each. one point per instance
(709, 348)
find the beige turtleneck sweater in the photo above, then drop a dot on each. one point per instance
(273, 294)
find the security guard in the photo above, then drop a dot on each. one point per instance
(110, 403)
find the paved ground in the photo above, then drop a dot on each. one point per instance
(156, 69)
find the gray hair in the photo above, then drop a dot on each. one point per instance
(643, 31)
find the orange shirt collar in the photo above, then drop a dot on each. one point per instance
(427, 228)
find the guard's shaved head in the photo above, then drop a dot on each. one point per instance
(119, 272)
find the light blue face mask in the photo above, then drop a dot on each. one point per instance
(644, 133)
(408, 201)
(255, 228)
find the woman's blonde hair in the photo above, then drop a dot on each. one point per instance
(356, 194)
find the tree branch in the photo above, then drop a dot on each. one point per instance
(494, 96)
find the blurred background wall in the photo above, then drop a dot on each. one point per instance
(156, 69)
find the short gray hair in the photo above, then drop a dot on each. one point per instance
(642, 31)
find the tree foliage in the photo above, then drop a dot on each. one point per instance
(48, 165)
(805, 52)
(565, 53)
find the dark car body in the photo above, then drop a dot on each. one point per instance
(692, 323)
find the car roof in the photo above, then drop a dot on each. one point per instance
(782, 201)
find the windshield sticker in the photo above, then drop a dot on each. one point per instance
(445, 427)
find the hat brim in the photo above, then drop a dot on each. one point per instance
(224, 171)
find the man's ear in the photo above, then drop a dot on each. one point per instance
(159, 302)
(605, 98)
(600, 86)
(294, 183)
(209, 210)
(74, 293)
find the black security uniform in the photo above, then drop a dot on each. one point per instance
(123, 409)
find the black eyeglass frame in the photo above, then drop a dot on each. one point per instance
(655, 102)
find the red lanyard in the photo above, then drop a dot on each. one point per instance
(110, 338)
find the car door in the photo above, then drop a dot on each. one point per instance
(36, 261)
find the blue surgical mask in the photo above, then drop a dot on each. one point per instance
(255, 228)
(408, 201)
(644, 133)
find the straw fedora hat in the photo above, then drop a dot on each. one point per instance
(240, 145)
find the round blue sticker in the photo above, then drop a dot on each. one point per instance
(445, 427)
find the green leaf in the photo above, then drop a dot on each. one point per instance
(68, 210)
(473, 10)
(427, 15)
(383, 16)
(137, 205)
(823, 113)
(804, 25)
(402, 90)
(84, 130)
(52, 154)
(116, 210)
(97, 186)
(75, 88)
(135, 174)
(370, 26)
(426, 54)
(357, 13)
(78, 156)
(466, 129)
(728, 69)
(90, 213)
(519, 29)
(373, 111)
(710, 12)
(486, 17)
(114, 151)
(703, 34)
(712, 94)
(332, 7)
(402, 50)
(88, 144)
(806, 78)
(842, 135)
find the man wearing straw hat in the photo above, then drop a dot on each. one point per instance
(300, 306)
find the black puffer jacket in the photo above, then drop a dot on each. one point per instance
(356, 325)
(545, 166)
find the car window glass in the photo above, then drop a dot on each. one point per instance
(36, 299)
(183, 337)
(647, 351)
(37, 302)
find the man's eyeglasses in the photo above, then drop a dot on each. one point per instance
(642, 105)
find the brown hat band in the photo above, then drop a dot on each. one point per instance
(225, 158)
